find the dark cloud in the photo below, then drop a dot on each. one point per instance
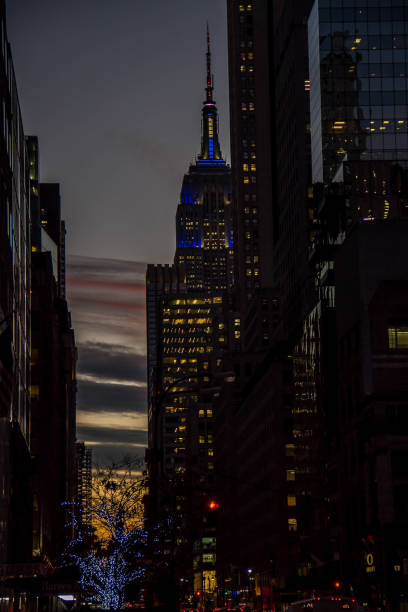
(111, 361)
(93, 397)
(106, 273)
(107, 300)
(106, 434)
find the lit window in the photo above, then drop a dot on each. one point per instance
(245, 167)
(35, 392)
(290, 450)
(201, 413)
(290, 474)
(209, 413)
(291, 500)
(398, 336)
(211, 452)
(243, 106)
(201, 438)
(246, 180)
(292, 524)
(242, 67)
(253, 167)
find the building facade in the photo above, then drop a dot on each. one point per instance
(334, 111)
(15, 521)
(37, 366)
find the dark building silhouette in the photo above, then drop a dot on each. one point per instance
(307, 448)
(15, 494)
(359, 152)
(368, 468)
(53, 383)
(250, 113)
(37, 365)
(267, 430)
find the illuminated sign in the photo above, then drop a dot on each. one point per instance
(369, 561)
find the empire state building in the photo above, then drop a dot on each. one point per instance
(204, 215)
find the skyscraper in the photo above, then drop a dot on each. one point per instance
(204, 214)
(251, 144)
(37, 366)
(15, 526)
(187, 330)
(358, 92)
(53, 381)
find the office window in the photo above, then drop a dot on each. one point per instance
(35, 392)
(292, 524)
(291, 500)
(398, 336)
(290, 474)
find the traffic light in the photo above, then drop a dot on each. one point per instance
(337, 584)
(213, 505)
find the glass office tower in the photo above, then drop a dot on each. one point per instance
(358, 53)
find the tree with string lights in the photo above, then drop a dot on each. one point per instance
(109, 550)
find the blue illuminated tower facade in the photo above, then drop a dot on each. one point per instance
(204, 215)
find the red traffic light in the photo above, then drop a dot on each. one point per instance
(337, 584)
(198, 593)
(213, 505)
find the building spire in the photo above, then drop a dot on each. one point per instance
(210, 146)
(209, 87)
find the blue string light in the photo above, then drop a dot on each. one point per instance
(108, 564)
